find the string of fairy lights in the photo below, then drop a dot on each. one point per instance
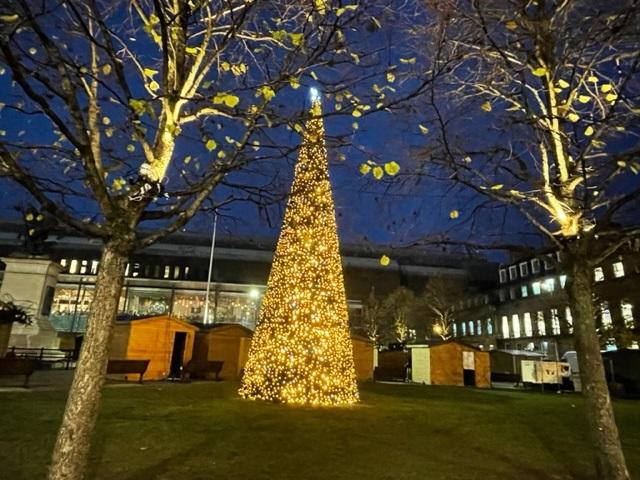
(301, 352)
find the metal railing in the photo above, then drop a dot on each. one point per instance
(45, 356)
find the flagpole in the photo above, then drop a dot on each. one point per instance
(213, 246)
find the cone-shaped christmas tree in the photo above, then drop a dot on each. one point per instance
(301, 352)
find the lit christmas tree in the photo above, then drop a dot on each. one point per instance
(301, 352)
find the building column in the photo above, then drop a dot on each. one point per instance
(30, 283)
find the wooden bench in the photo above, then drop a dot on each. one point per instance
(201, 368)
(128, 366)
(18, 366)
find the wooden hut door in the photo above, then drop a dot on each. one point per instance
(177, 355)
(468, 369)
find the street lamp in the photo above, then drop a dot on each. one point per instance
(213, 246)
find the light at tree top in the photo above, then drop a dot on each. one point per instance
(301, 352)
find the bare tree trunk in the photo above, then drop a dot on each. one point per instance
(71, 452)
(610, 462)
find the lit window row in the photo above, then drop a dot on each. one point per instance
(529, 267)
(626, 313)
(473, 327)
(535, 288)
(616, 267)
(518, 326)
(90, 267)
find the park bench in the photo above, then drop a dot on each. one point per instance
(128, 366)
(200, 368)
(46, 357)
(18, 366)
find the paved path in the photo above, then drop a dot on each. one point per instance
(43, 380)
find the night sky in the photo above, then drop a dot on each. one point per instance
(396, 211)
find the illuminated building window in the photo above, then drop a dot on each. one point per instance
(528, 327)
(515, 323)
(455, 330)
(524, 291)
(555, 322)
(176, 272)
(167, 271)
(489, 326)
(146, 301)
(503, 275)
(540, 324)
(471, 328)
(535, 288)
(524, 269)
(513, 272)
(605, 315)
(505, 326)
(83, 266)
(549, 285)
(70, 308)
(627, 314)
(569, 318)
(479, 329)
(63, 262)
(618, 269)
(598, 274)
(135, 270)
(73, 268)
(548, 261)
(189, 305)
(94, 267)
(535, 266)
(464, 329)
(563, 281)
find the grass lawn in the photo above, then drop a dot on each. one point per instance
(204, 431)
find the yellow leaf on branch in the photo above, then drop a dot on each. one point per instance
(149, 72)
(296, 38)
(378, 173)
(227, 99)
(573, 117)
(364, 169)
(392, 168)
(539, 71)
(384, 260)
(453, 214)
(486, 106)
(267, 92)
